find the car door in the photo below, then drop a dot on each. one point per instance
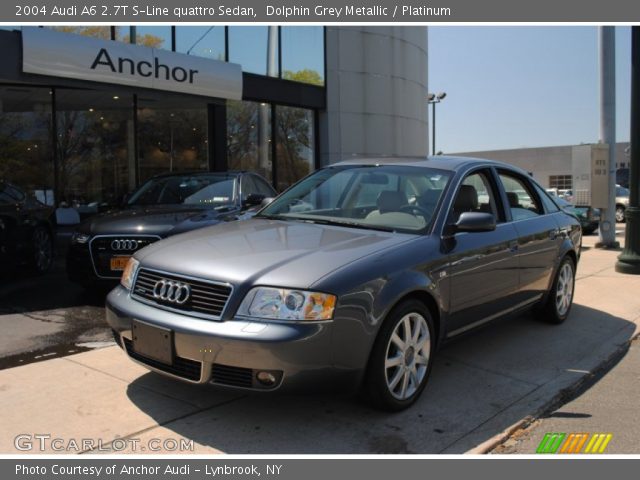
(539, 238)
(482, 271)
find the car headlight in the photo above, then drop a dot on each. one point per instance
(129, 273)
(79, 238)
(287, 304)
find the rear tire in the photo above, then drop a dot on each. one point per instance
(559, 300)
(620, 214)
(401, 359)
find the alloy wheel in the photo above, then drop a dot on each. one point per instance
(43, 249)
(619, 214)
(407, 356)
(564, 289)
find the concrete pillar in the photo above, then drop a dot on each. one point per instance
(607, 230)
(376, 80)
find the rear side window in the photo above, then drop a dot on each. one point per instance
(521, 201)
(549, 205)
(263, 187)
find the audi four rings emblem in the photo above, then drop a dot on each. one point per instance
(171, 291)
(125, 244)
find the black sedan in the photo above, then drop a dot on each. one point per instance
(26, 230)
(351, 278)
(163, 206)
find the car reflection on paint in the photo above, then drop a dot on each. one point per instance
(350, 279)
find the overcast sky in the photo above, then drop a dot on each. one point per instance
(511, 87)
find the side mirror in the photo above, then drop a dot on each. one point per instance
(475, 222)
(252, 200)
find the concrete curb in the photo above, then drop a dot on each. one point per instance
(562, 397)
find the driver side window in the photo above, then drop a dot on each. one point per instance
(474, 195)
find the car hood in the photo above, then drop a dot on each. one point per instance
(161, 221)
(266, 252)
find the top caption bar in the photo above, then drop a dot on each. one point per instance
(319, 11)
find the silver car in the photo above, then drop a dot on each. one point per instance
(350, 279)
(622, 202)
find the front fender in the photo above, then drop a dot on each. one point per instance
(362, 310)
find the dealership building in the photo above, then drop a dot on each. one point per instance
(87, 113)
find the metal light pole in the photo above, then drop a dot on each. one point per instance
(606, 36)
(432, 100)
(629, 259)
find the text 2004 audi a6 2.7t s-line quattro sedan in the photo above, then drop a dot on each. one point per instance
(351, 278)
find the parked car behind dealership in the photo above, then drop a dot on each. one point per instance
(26, 230)
(589, 217)
(161, 207)
(622, 202)
(350, 279)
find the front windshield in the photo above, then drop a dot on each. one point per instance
(387, 197)
(195, 190)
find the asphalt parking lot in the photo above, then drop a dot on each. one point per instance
(482, 385)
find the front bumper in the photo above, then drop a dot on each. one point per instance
(231, 353)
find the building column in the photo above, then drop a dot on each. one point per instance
(376, 78)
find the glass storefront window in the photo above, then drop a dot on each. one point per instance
(94, 148)
(255, 48)
(249, 137)
(96, 31)
(205, 42)
(171, 138)
(122, 34)
(303, 54)
(154, 37)
(25, 140)
(295, 144)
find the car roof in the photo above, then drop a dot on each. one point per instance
(230, 173)
(442, 162)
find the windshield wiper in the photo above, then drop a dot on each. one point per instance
(363, 226)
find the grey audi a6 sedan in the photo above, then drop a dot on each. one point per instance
(352, 278)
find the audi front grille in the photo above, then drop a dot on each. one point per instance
(206, 299)
(104, 247)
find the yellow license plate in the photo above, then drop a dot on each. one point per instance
(118, 263)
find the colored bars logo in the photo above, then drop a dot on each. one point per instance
(574, 443)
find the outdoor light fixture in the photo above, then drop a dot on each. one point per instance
(432, 99)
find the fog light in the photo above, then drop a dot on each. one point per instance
(266, 378)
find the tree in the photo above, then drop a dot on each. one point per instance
(306, 75)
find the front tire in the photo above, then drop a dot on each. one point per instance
(557, 307)
(401, 358)
(42, 248)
